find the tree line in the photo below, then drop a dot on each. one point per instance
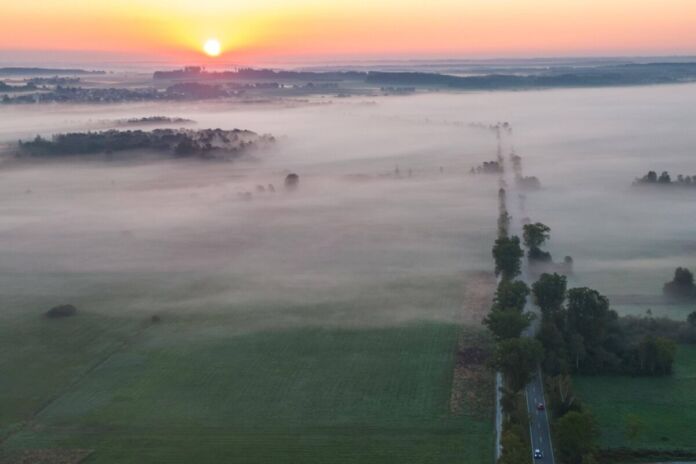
(665, 179)
(579, 334)
(178, 142)
(514, 356)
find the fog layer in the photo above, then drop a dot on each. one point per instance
(356, 243)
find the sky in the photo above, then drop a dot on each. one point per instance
(251, 30)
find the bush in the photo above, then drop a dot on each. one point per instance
(292, 181)
(61, 311)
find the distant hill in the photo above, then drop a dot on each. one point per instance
(595, 76)
(195, 72)
(44, 71)
(602, 75)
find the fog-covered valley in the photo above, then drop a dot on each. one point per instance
(188, 301)
(357, 242)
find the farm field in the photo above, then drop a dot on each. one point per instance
(667, 406)
(40, 361)
(302, 395)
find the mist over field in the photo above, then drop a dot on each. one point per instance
(351, 221)
(218, 312)
(354, 244)
(178, 236)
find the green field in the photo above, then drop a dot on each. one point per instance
(667, 406)
(195, 389)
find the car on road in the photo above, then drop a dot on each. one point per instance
(540, 407)
(538, 454)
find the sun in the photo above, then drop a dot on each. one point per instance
(212, 47)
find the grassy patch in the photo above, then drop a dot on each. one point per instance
(294, 395)
(667, 406)
(40, 358)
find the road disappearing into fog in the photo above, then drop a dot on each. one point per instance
(539, 428)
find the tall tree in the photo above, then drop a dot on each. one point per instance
(691, 318)
(515, 450)
(555, 353)
(682, 285)
(549, 293)
(535, 235)
(656, 356)
(588, 315)
(508, 254)
(577, 435)
(507, 323)
(517, 358)
(511, 295)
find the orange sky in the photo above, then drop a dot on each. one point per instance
(260, 29)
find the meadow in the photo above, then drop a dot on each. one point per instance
(181, 390)
(666, 406)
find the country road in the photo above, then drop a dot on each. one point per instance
(539, 429)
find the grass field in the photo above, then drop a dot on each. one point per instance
(194, 389)
(41, 360)
(667, 406)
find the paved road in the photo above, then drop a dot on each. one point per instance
(539, 429)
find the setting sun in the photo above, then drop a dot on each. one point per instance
(212, 47)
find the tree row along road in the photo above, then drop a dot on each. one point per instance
(539, 427)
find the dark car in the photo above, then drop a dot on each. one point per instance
(540, 407)
(538, 454)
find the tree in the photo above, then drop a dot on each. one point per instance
(589, 324)
(576, 435)
(517, 358)
(682, 285)
(655, 356)
(507, 254)
(503, 223)
(511, 295)
(588, 314)
(549, 293)
(589, 459)
(515, 450)
(185, 148)
(507, 323)
(555, 353)
(683, 277)
(576, 346)
(691, 319)
(664, 178)
(561, 395)
(535, 235)
(292, 180)
(509, 400)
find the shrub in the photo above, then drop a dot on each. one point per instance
(61, 311)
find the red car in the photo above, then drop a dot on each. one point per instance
(540, 407)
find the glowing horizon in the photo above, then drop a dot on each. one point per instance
(257, 29)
